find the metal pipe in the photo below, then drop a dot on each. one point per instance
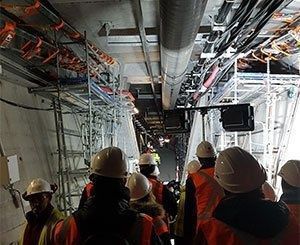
(180, 21)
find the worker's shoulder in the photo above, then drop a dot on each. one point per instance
(57, 214)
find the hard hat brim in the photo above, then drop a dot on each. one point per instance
(25, 195)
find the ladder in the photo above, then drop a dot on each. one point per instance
(64, 197)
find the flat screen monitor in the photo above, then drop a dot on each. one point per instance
(238, 118)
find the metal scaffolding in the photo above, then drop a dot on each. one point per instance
(275, 98)
(92, 116)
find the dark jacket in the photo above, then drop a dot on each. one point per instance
(154, 210)
(190, 212)
(291, 196)
(261, 218)
(107, 217)
(39, 227)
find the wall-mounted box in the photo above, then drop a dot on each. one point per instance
(9, 170)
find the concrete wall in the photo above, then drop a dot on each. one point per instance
(30, 135)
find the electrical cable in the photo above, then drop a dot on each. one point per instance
(25, 106)
(20, 197)
(239, 28)
(248, 43)
(261, 19)
(237, 21)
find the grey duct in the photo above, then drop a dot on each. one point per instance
(180, 21)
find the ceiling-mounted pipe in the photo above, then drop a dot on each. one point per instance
(180, 21)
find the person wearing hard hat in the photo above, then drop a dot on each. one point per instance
(290, 183)
(192, 167)
(43, 216)
(143, 200)
(202, 192)
(106, 217)
(148, 167)
(244, 216)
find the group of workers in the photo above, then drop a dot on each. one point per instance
(223, 202)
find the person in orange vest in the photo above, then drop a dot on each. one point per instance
(43, 216)
(202, 192)
(148, 167)
(87, 192)
(106, 217)
(244, 216)
(290, 174)
(143, 200)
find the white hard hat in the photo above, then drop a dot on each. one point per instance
(156, 172)
(237, 171)
(205, 150)
(37, 186)
(147, 159)
(269, 191)
(193, 166)
(110, 162)
(139, 186)
(290, 172)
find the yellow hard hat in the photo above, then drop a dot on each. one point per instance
(193, 166)
(237, 171)
(205, 150)
(290, 172)
(110, 162)
(139, 186)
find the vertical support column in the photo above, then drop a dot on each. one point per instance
(269, 126)
(250, 142)
(89, 97)
(236, 143)
(203, 126)
(222, 140)
(211, 119)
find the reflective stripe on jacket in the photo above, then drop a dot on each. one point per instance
(157, 190)
(208, 193)
(66, 232)
(215, 232)
(45, 237)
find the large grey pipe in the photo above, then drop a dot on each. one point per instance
(180, 21)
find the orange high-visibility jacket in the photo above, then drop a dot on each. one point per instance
(208, 193)
(66, 232)
(89, 188)
(295, 211)
(157, 190)
(160, 226)
(215, 232)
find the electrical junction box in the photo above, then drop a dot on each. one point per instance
(13, 169)
(9, 170)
